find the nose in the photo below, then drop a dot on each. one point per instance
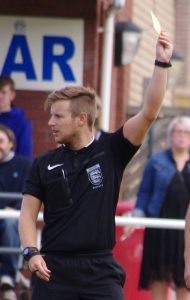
(51, 121)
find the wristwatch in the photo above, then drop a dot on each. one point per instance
(28, 252)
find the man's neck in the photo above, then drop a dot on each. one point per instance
(82, 141)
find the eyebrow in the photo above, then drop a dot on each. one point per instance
(56, 114)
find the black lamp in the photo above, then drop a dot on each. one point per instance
(127, 38)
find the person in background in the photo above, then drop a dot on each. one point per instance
(13, 171)
(165, 193)
(14, 117)
(78, 184)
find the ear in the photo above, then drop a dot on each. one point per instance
(11, 145)
(13, 95)
(83, 118)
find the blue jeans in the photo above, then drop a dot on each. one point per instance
(9, 237)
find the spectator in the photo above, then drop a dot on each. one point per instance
(14, 117)
(165, 192)
(13, 170)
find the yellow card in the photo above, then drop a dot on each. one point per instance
(156, 23)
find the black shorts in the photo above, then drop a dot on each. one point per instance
(81, 277)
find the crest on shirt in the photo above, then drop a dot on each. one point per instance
(95, 174)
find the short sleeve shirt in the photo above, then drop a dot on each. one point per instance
(79, 190)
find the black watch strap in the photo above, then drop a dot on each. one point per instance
(162, 64)
(29, 252)
(33, 254)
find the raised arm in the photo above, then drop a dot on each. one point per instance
(136, 127)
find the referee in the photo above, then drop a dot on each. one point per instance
(78, 184)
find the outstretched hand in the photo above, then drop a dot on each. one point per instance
(164, 47)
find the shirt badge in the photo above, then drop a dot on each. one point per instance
(95, 174)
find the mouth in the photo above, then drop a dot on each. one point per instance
(55, 132)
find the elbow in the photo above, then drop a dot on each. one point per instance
(150, 117)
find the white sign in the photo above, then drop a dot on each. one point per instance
(42, 53)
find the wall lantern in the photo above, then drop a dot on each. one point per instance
(174, 73)
(127, 38)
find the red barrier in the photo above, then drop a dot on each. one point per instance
(129, 253)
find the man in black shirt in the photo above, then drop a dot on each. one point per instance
(78, 184)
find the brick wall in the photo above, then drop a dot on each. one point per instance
(183, 47)
(32, 103)
(143, 64)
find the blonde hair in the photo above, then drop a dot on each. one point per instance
(82, 99)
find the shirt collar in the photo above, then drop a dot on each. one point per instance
(92, 140)
(8, 157)
(88, 146)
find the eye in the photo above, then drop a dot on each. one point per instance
(57, 116)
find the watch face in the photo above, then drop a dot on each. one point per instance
(26, 251)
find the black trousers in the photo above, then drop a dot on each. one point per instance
(81, 277)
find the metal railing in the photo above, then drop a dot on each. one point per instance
(150, 222)
(120, 220)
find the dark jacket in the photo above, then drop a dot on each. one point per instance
(17, 121)
(12, 178)
(156, 178)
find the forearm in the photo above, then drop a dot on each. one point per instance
(157, 86)
(187, 238)
(27, 230)
(155, 94)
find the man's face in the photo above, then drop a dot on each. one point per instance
(5, 146)
(7, 95)
(63, 125)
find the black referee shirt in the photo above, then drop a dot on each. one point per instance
(79, 190)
